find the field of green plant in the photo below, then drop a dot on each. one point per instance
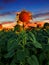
(30, 47)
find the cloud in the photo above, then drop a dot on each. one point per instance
(41, 14)
(36, 16)
(8, 1)
(7, 13)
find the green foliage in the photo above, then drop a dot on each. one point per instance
(25, 48)
(33, 60)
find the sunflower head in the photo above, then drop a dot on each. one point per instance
(25, 16)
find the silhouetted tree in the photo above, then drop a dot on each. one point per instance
(46, 25)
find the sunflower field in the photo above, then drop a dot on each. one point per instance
(28, 47)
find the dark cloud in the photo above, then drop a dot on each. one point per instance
(41, 14)
(7, 13)
(35, 16)
(8, 1)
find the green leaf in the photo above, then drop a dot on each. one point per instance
(46, 47)
(33, 60)
(48, 63)
(30, 61)
(23, 37)
(34, 41)
(48, 40)
(12, 43)
(37, 45)
(20, 55)
(41, 58)
(9, 54)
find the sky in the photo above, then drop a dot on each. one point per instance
(37, 7)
